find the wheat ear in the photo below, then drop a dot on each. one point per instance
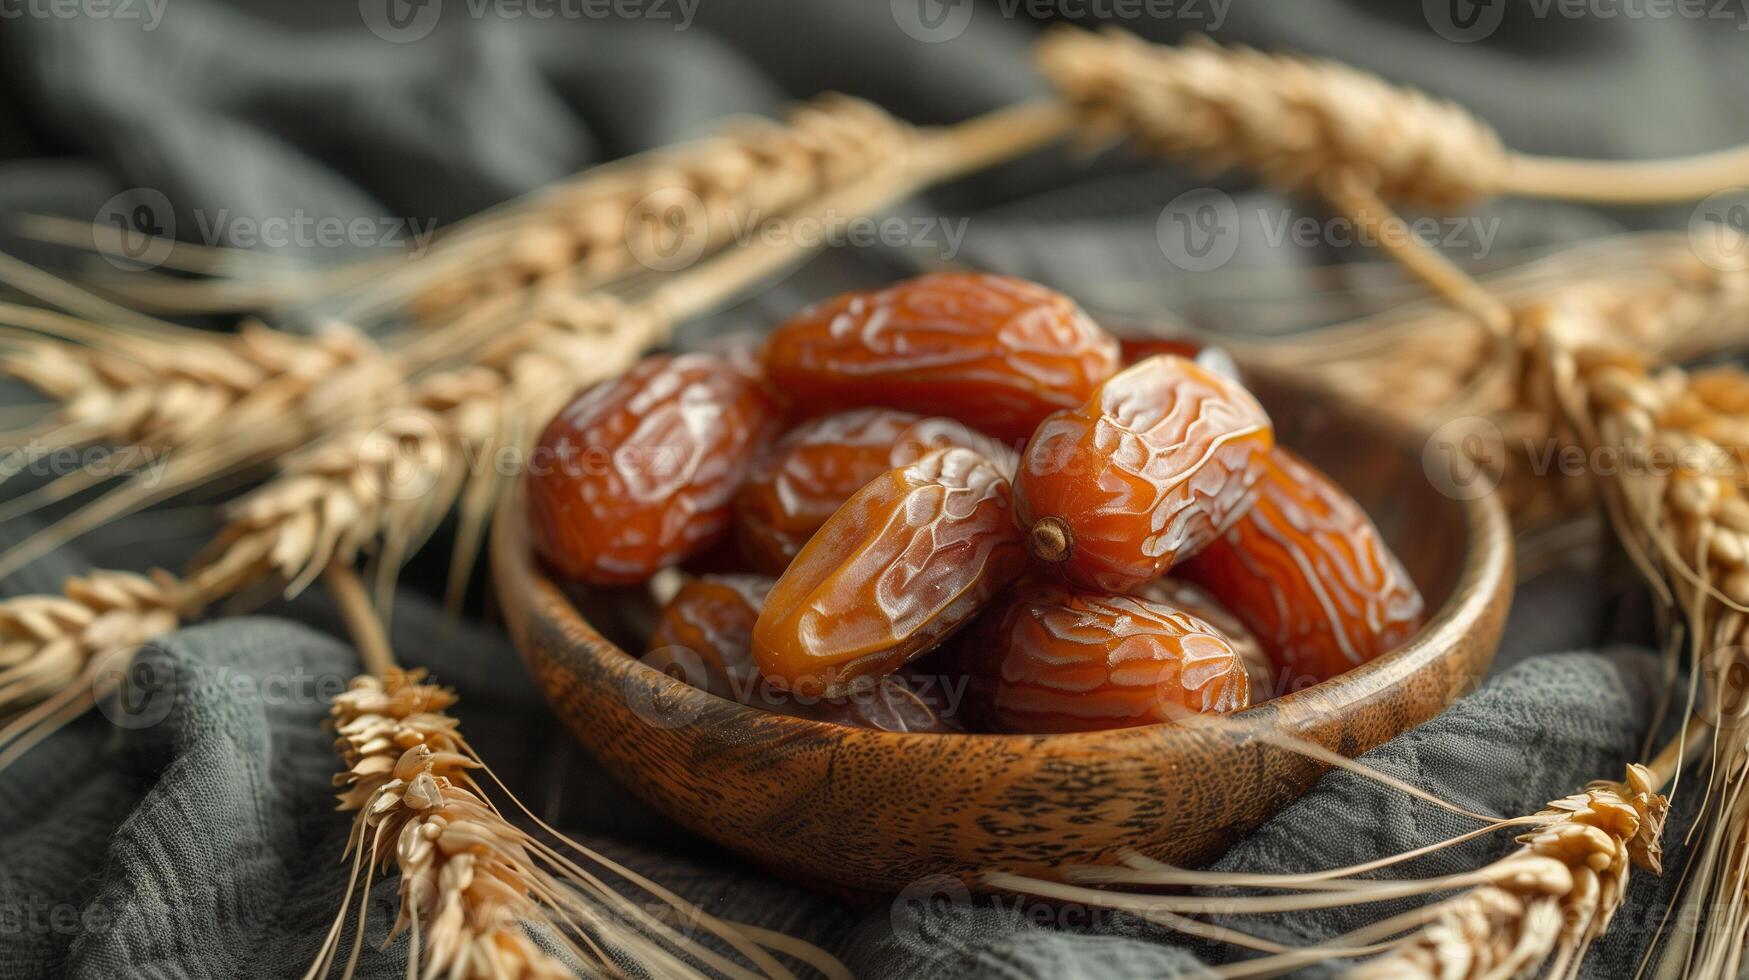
(594, 228)
(1680, 504)
(1540, 906)
(478, 895)
(1292, 121)
(590, 230)
(53, 648)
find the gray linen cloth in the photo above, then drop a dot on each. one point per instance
(204, 844)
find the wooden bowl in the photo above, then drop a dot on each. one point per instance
(871, 810)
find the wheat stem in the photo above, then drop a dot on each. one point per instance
(1354, 198)
(1291, 120)
(1627, 181)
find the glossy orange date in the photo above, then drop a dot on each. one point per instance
(997, 353)
(640, 471)
(1156, 465)
(820, 464)
(1201, 603)
(1310, 574)
(902, 564)
(1054, 659)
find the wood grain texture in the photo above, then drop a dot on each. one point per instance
(878, 811)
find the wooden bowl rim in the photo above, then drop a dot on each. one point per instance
(1486, 570)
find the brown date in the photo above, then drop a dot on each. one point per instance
(1202, 604)
(707, 631)
(640, 471)
(705, 638)
(997, 353)
(899, 702)
(1155, 466)
(1309, 573)
(1054, 659)
(818, 465)
(906, 561)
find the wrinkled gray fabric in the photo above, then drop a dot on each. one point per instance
(204, 843)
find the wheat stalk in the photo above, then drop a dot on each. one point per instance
(474, 888)
(168, 397)
(1553, 896)
(1294, 121)
(1541, 905)
(1289, 121)
(1681, 507)
(595, 228)
(600, 226)
(53, 646)
(1651, 296)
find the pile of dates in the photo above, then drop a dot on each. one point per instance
(951, 504)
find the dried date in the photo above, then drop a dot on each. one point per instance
(1158, 463)
(1202, 604)
(820, 464)
(906, 561)
(903, 702)
(640, 471)
(1054, 659)
(1309, 573)
(997, 353)
(707, 630)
